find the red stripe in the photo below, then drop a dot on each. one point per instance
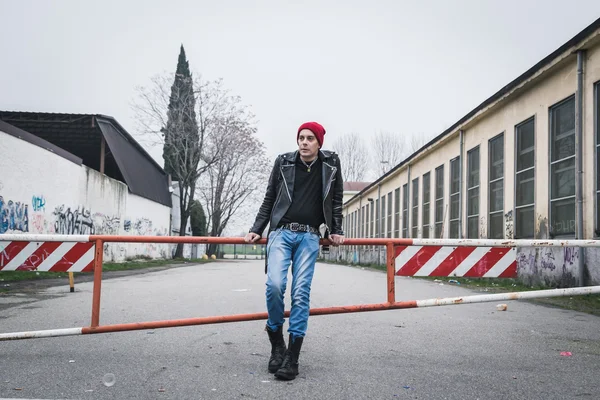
(486, 262)
(11, 251)
(510, 272)
(71, 257)
(452, 261)
(89, 267)
(400, 249)
(38, 256)
(418, 260)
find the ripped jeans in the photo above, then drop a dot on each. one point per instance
(300, 249)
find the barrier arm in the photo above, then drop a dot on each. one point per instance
(29, 244)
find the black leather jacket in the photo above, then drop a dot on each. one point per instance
(278, 197)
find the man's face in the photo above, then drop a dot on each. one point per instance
(308, 145)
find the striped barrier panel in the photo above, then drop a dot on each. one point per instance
(467, 261)
(51, 256)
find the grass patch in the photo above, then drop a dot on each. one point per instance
(583, 303)
(15, 276)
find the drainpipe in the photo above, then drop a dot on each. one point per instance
(460, 184)
(408, 200)
(579, 163)
(378, 226)
(360, 225)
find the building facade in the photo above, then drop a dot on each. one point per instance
(81, 174)
(522, 165)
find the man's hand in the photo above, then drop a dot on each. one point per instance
(251, 237)
(336, 240)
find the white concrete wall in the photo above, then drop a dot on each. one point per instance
(41, 192)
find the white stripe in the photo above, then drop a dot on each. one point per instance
(55, 256)
(406, 255)
(26, 237)
(21, 256)
(468, 262)
(502, 264)
(41, 334)
(83, 261)
(435, 261)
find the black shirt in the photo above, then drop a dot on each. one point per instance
(307, 199)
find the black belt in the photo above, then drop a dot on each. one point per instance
(296, 227)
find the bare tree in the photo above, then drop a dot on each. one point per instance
(388, 151)
(230, 184)
(159, 124)
(417, 141)
(354, 155)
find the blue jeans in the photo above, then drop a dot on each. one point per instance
(301, 250)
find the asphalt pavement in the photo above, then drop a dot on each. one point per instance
(468, 351)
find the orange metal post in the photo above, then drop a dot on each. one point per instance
(97, 282)
(391, 264)
(242, 317)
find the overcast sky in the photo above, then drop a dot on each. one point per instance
(409, 67)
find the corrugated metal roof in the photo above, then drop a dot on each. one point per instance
(81, 135)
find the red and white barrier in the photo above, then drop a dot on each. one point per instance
(476, 262)
(50, 256)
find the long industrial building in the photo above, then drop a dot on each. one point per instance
(522, 165)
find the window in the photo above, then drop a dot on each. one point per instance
(496, 188)
(562, 168)
(405, 210)
(382, 221)
(362, 223)
(367, 229)
(377, 232)
(439, 201)
(473, 193)
(415, 208)
(397, 213)
(454, 197)
(524, 218)
(373, 220)
(426, 204)
(389, 215)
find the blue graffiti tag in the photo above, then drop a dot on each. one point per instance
(38, 203)
(13, 216)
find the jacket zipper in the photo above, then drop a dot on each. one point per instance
(327, 192)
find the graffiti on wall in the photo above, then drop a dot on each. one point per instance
(14, 216)
(508, 228)
(75, 221)
(38, 203)
(81, 221)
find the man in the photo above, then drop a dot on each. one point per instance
(303, 199)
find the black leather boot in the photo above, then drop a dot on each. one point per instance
(277, 348)
(289, 367)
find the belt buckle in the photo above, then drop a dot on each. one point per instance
(294, 226)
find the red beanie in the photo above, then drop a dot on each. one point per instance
(315, 128)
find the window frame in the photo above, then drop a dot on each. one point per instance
(414, 229)
(457, 161)
(477, 186)
(426, 225)
(551, 163)
(405, 227)
(397, 210)
(516, 172)
(490, 182)
(436, 199)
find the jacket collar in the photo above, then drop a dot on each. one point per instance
(293, 155)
